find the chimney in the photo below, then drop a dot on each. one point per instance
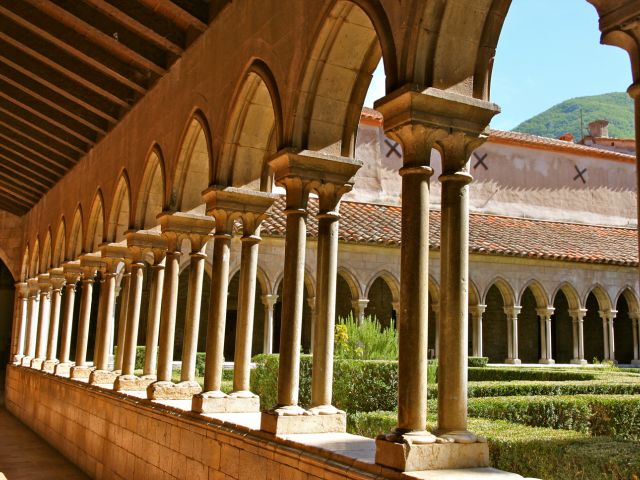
(599, 128)
(567, 137)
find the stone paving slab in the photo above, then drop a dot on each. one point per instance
(25, 456)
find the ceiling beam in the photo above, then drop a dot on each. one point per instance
(15, 197)
(10, 145)
(175, 13)
(11, 207)
(22, 136)
(10, 180)
(71, 50)
(16, 169)
(136, 26)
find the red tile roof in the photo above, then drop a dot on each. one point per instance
(366, 223)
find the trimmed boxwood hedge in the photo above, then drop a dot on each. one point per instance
(505, 374)
(524, 388)
(478, 361)
(533, 451)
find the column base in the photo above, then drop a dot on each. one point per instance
(26, 361)
(81, 372)
(165, 390)
(578, 361)
(512, 361)
(409, 457)
(125, 383)
(635, 362)
(36, 363)
(49, 365)
(63, 369)
(17, 359)
(547, 361)
(102, 377)
(279, 424)
(218, 402)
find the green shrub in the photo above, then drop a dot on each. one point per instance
(617, 417)
(367, 340)
(358, 385)
(505, 374)
(524, 388)
(478, 361)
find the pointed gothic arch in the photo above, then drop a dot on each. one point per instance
(150, 196)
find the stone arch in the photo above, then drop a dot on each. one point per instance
(631, 298)
(24, 268)
(474, 294)
(505, 289)
(59, 251)
(34, 265)
(349, 44)
(351, 280)
(45, 260)
(392, 282)
(348, 291)
(626, 307)
(604, 301)
(95, 227)
(538, 291)
(434, 291)
(120, 212)
(383, 292)
(439, 38)
(571, 294)
(150, 195)
(194, 166)
(595, 301)
(254, 133)
(74, 244)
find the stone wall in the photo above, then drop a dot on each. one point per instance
(112, 436)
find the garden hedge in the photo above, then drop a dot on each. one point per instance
(504, 374)
(529, 388)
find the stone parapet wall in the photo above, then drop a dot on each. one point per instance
(114, 436)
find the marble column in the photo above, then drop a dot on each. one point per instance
(577, 317)
(72, 275)
(635, 324)
(153, 320)
(544, 314)
(101, 374)
(267, 341)
(359, 306)
(57, 280)
(44, 319)
(89, 270)
(226, 205)
(125, 282)
(476, 318)
(605, 316)
(21, 319)
(512, 335)
(33, 308)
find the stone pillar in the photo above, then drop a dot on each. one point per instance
(476, 312)
(33, 309)
(21, 320)
(608, 317)
(153, 320)
(72, 275)
(267, 342)
(359, 306)
(111, 260)
(329, 195)
(43, 321)
(57, 283)
(512, 334)
(227, 205)
(577, 317)
(125, 282)
(89, 266)
(544, 314)
(635, 324)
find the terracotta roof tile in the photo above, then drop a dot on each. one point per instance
(366, 223)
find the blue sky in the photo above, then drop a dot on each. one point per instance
(549, 51)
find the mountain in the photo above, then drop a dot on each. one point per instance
(617, 107)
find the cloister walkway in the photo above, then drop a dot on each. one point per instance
(25, 456)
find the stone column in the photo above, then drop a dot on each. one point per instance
(125, 282)
(192, 317)
(90, 265)
(72, 275)
(544, 314)
(608, 317)
(577, 317)
(43, 321)
(33, 308)
(227, 205)
(111, 260)
(359, 306)
(635, 324)
(476, 318)
(267, 342)
(604, 316)
(436, 323)
(512, 334)
(153, 320)
(57, 283)
(311, 302)
(21, 319)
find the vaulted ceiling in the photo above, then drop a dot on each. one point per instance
(69, 71)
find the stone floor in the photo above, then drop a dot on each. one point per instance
(25, 456)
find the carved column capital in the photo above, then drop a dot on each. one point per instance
(57, 278)
(545, 312)
(269, 300)
(512, 312)
(578, 314)
(22, 289)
